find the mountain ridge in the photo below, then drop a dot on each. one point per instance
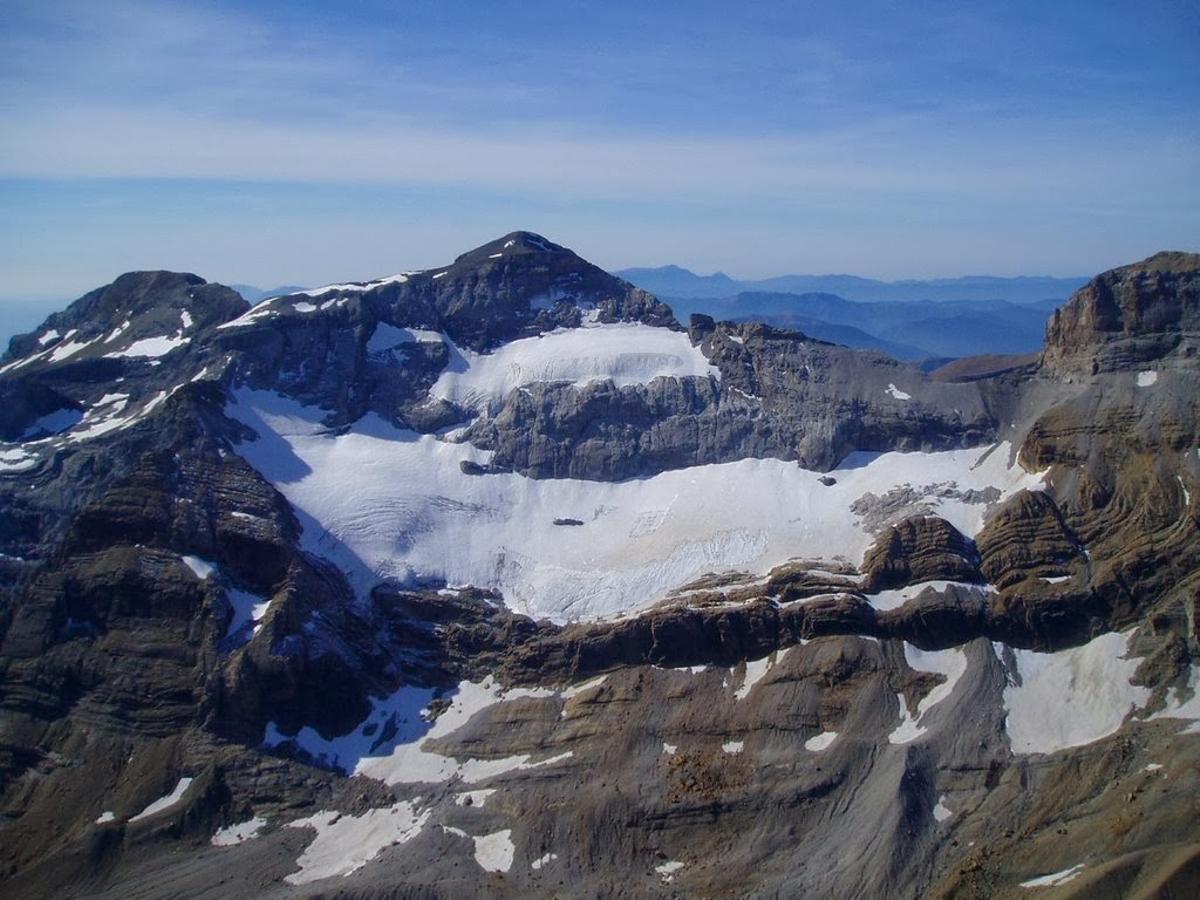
(494, 581)
(675, 281)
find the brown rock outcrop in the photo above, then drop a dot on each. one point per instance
(920, 548)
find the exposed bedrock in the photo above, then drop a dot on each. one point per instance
(921, 548)
(1127, 317)
(780, 394)
(169, 627)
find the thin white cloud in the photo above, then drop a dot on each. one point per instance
(141, 143)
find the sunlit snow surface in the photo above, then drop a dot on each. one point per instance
(626, 353)
(231, 835)
(950, 663)
(1072, 697)
(164, 803)
(1054, 879)
(381, 502)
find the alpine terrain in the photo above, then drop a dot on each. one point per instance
(497, 580)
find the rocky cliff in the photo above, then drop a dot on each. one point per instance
(490, 579)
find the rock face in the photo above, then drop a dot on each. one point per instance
(1128, 316)
(780, 394)
(193, 695)
(920, 549)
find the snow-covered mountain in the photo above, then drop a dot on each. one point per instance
(493, 579)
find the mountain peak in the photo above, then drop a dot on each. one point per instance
(1177, 262)
(1127, 315)
(135, 306)
(515, 243)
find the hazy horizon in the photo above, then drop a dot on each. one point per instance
(21, 314)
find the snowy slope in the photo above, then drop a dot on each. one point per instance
(627, 353)
(381, 502)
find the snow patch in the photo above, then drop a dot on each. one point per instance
(626, 353)
(351, 287)
(248, 610)
(896, 393)
(733, 746)
(950, 663)
(103, 419)
(755, 670)
(261, 310)
(247, 517)
(344, 844)
(1054, 879)
(670, 749)
(576, 690)
(118, 331)
(1072, 697)
(68, 348)
(17, 459)
(235, 834)
(152, 347)
(543, 861)
(941, 812)
(1147, 378)
(668, 869)
(1179, 708)
(201, 568)
(106, 816)
(165, 803)
(894, 599)
(388, 744)
(387, 337)
(495, 852)
(821, 741)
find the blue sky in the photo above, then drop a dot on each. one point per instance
(303, 142)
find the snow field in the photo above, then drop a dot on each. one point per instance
(1072, 697)
(401, 759)
(384, 503)
(626, 353)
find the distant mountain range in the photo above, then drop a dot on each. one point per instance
(945, 318)
(916, 330)
(677, 282)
